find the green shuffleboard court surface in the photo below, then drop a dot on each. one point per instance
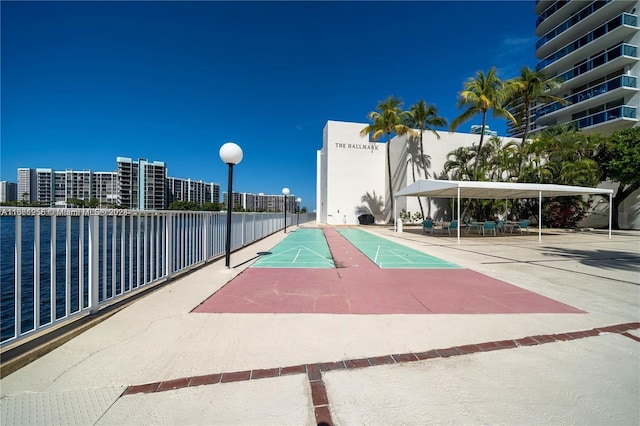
(387, 254)
(303, 248)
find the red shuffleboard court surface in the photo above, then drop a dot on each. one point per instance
(358, 286)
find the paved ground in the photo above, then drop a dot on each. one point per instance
(157, 362)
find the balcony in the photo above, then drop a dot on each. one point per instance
(612, 117)
(609, 61)
(599, 34)
(614, 88)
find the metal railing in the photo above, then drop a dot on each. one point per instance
(629, 81)
(57, 265)
(620, 20)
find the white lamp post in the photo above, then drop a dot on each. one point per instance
(231, 154)
(298, 201)
(285, 192)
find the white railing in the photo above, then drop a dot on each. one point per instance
(59, 264)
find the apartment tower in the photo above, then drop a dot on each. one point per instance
(591, 47)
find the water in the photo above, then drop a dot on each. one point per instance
(77, 285)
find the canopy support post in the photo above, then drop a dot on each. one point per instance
(540, 216)
(459, 223)
(610, 211)
(395, 222)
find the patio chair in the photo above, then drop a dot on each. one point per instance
(500, 226)
(453, 225)
(472, 224)
(427, 225)
(489, 227)
(522, 225)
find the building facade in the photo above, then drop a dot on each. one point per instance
(345, 192)
(27, 185)
(198, 192)
(8, 191)
(591, 47)
(141, 184)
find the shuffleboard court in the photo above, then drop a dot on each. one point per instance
(303, 248)
(387, 254)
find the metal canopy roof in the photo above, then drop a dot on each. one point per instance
(493, 190)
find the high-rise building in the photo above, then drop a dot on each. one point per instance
(104, 187)
(198, 192)
(141, 184)
(591, 47)
(46, 183)
(8, 191)
(27, 185)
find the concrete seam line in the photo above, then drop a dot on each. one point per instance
(314, 371)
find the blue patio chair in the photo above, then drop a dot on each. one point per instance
(489, 227)
(427, 225)
(472, 224)
(500, 226)
(522, 225)
(453, 225)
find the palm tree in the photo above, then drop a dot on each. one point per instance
(388, 118)
(530, 88)
(420, 160)
(424, 117)
(482, 94)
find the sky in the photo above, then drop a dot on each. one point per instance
(85, 82)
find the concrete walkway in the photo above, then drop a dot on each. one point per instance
(155, 362)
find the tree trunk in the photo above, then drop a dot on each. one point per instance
(475, 163)
(424, 169)
(390, 201)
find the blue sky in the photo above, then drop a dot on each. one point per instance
(85, 82)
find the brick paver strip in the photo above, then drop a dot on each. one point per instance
(427, 355)
(319, 393)
(263, 374)
(405, 357)
(328, 366)
(323, 416)
(295, 369)
(357, 363)
(209, 379)
(314, 374)
(381, 360)
(631, 336)
(527, 341)
(544, 338)
(173, 384)
(236, 376)
(468, 349)
(148, 388)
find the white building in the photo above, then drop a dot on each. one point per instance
(198, 192)
(8, 191)
(351, 173)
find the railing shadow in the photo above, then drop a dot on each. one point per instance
(605, 259)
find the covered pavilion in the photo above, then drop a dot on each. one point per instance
(496, 190)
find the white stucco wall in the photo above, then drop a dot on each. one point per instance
(352, 169)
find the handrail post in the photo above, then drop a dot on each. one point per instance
(168, 238)
(94, 262)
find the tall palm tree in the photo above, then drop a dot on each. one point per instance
(482, 94)
(528, 89)
(424, 117)
(387, 119)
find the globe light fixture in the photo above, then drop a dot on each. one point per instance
(285, 192)
(230, 154)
